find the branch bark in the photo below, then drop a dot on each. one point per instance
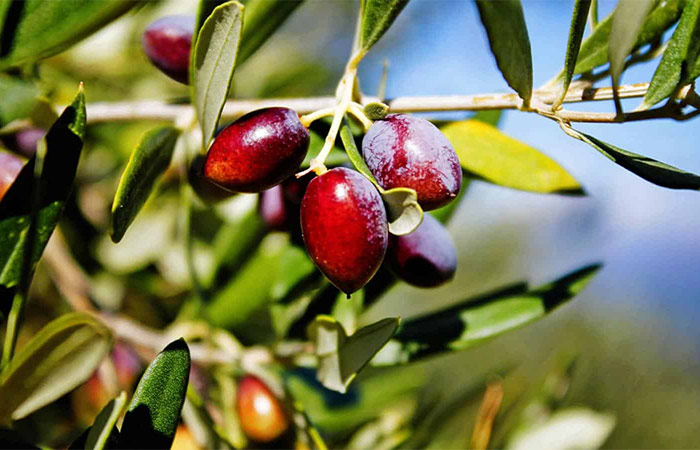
(157, 110)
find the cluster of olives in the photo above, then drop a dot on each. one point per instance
(339, 215)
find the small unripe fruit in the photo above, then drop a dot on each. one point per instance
(407, 151)
(257, 151)
(344, 226)
(260, 412)
(10, 166)
(167, 43)
(425, 258)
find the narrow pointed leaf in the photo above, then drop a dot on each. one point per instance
(594, 49)
(576, 30)
(510, 44)
(31, 30)
(154, 411)
(147, 163)
(377, 17)
(474, 321)
(488, 154)
(680, 56)
(104, 429)
(59, 358)
(213, 63)
(262, 19)
(653, 171)
(340, 356)
(627, 23)
(64, 142)
(403, 210)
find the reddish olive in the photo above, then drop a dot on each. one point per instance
(24, 141)
(167, 43)
(425, 258)
(207, 191)
(272, 208)
(407, 151)
(260, 412)
(10, 166)
(257, 151)
(344, 226)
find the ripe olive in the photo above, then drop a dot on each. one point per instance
(167, 43)
(260, 412)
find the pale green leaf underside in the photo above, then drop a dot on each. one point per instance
(57, 360)
(377, 17)
(213, 63)
(628, 20)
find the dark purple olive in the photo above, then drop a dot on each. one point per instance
(257, 151)
(272, 209)
(407, 151)
(344, 226)
(10, 166)
(425, 258)
(167, 43)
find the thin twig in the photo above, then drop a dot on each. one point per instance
(156, 110)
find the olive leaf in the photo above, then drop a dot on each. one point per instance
(403, 210)
(60, 357)
(680, 56)
(627, 22)
(146, 164)
(509, 41)
(63, 144)
(212, 65)
(576, 30)
(104, 429)
(486, 153)
(376, 17)
(341, 356)
(594, 49)
(154, 411)
(35, 29)
(21, 99)
(476, 320)
(653, 171)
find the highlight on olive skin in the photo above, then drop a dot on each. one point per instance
(257, 151)
(344, 226)
(261, 414)
(407, 151)
(167, 43)
(427, 257)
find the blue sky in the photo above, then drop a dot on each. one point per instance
(646, 235)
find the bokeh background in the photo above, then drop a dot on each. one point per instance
(635, 326)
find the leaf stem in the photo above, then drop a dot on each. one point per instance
(308, 119)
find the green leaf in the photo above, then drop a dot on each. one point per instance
(106, 423)
(262, 19)
(64, 142)
(594, 50)
(651, 170)
(154, 411)
(376, 18)
(486, 153)
(628, 19)
(59, 358)
(340, 356)
(403, 210)
(680, 56)
(474, 321)
(576, 30)
(20, 99)
(510, 43)
(147, 163)
(213, 63)
(35, 29)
